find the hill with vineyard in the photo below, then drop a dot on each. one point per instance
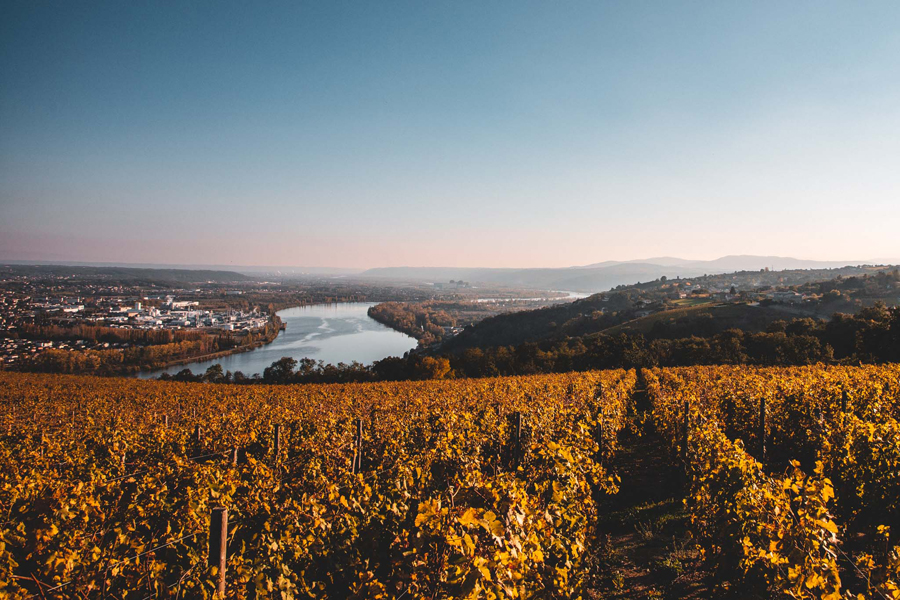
(702, 482)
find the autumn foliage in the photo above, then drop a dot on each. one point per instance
(103, 498)
(465, 488)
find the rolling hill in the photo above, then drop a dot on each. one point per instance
(127, 274)
(600, 276)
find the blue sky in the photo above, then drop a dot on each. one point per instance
(448, 133)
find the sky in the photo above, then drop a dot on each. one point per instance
(465, 133)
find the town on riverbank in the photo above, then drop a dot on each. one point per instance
(113, 321)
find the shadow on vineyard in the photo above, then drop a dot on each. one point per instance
(642, 541)
(643, 546)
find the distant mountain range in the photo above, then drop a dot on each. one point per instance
(741, 262)
(253, 270)
(596, 277)
(602, 276)
(135, 276)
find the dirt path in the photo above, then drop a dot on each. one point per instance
(644, 550)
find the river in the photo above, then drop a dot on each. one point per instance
(568, 298)
(332, 333)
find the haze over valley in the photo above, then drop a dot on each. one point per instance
(608, 274)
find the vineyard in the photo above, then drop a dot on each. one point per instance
(793, 475)
(471, 488)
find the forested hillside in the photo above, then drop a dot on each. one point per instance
(702, 306)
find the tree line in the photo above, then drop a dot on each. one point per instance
(112, 335)
(187, 345)
(871, 336)
(418, 320)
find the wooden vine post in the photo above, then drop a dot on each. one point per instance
(218, 546)
(685, 432)
(277, 439)
(198, 434)
(598, 432)
(598, 436)
(762, 429)
(357, 443)
(516, 439)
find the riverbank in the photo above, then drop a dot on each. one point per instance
(273, 328)
(331, 333)
(137, 359)
(398, 317)
(433, 321)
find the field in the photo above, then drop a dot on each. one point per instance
(688, 302)
(728, 482)
(475, 487)
(705, 318)
(794, 474)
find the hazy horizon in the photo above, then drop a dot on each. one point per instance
(503, 135)
(325, 269)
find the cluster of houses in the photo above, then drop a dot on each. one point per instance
(452, 285)
(786, 296)
(120, 312)
(166, 313)
(14, 350)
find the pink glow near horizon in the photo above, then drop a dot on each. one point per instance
(458, 134)
(534, 251)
